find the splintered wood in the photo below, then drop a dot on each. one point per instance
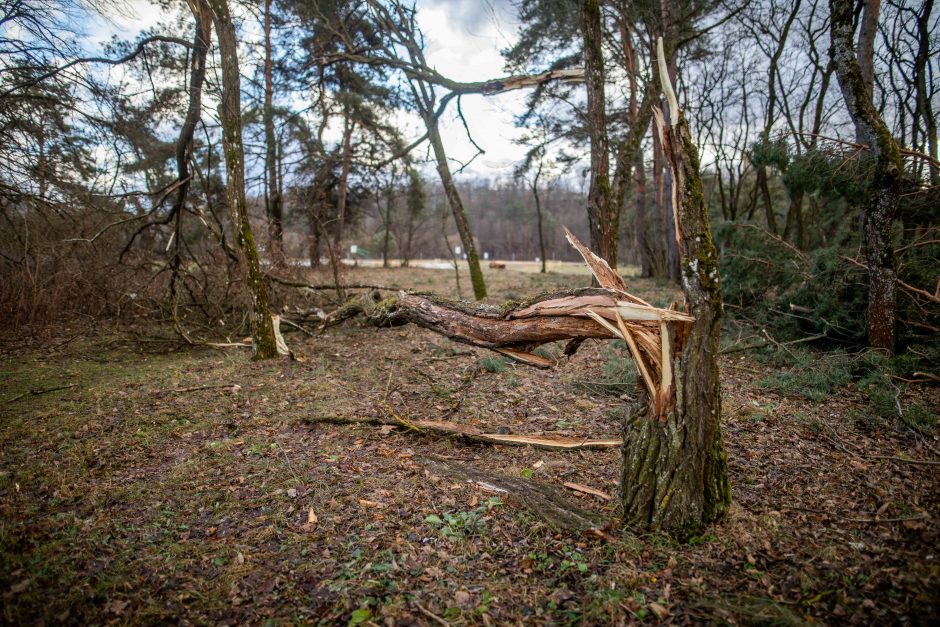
(653, 335)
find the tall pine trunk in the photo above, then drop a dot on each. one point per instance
(262, 327)
(538, 213)
(273, 202)
(456, 205)
(603, 213)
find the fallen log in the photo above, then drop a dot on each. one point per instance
(471, 434)
(541, 499)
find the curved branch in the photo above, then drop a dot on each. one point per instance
(130, 56)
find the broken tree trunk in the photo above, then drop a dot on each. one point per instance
(675, 466)
(674, 475)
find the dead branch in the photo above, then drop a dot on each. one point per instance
(910, 288)
(655, 336)
(38, 392)
(577, 487)
(549, 443)
(329, 286)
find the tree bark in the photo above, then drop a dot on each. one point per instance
(538, 212)
(640, 226)
(389, 203)
(794, 225)
(262, 327)
(342, 192)
(866, 43)
(184, 144)
(273, 198)
(603, 214)
(764, 189)
(924, 109)
(885, 184)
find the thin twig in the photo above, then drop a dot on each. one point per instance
(431, 615)
(289, 465)
(38, 392)
(330, 286)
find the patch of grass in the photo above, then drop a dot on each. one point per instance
(618, 375)
(812, 376)
(757, 611)
(494, 364)
(461, 525)
(548, 351)
(816, 376)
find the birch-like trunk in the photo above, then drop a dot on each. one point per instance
(262, 327)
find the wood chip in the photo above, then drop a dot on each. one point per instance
(577, 487)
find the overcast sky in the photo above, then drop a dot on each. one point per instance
(464, 39)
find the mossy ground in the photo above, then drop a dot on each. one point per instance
(176, 484)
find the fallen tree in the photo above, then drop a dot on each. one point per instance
(674, 475)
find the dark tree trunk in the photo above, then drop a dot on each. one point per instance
(538, 213)
(603, 214)
(794, 225)
(924, 109)
(262, 327)
(764, 190)
(885, 184)
(640, 224)
(315, 235)
(273, 202)
(342, 192)
(389, 204)
(184, 144)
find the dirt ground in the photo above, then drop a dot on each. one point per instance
(162, 483)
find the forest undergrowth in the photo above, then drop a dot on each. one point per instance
(143, 477)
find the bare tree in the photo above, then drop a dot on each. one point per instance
(885, 185)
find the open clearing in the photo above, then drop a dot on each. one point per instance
(171, 483)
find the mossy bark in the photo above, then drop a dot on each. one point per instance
(675, 467)
(262, 327)
(885, 187)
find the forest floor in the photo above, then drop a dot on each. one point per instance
(146, 481)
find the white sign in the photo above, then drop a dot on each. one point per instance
(457, 250)
(353, 249)
(486, 256)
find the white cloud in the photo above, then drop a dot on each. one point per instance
(463, 43)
